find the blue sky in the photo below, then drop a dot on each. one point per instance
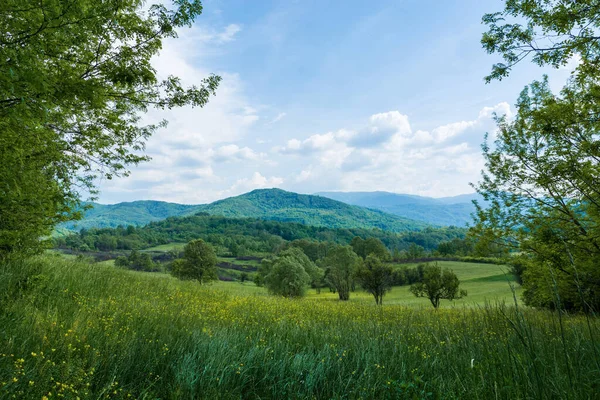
(328, 95)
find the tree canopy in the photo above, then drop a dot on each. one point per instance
(75, 78)
(438, 284)
(375, 277)
(290, 273)
(199, 262)
(340, 267)
(550, 32)
(542, 169)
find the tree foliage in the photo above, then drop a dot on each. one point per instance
(370, 245)
(438, 284)
(541, 181)
(542, 170)
(289, 274)
(76, 77)
(340, 267)
(198, 263)
(375, 277)
(550, 32)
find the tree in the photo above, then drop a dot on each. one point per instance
(438, 285)
(290, 273)
(76, 77)
(552, 33)
(542, 170)
(340, 267)
(199, 262)
(375, 277)
(121, 262)
(364, 247)
(415, 251)
(287, 278)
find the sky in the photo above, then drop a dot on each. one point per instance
(327, 96)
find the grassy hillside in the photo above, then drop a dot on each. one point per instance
(443, 211)
(75, 330)
(279, 205)
(134, 213)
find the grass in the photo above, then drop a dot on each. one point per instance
(484, 283)
(91, 331)
(166, 247)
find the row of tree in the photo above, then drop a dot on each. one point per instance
(291, 272)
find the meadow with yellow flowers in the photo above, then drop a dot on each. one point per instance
(70, 329)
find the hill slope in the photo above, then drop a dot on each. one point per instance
(443, 211)
(269, 204)
(279, 205)
(133, 213)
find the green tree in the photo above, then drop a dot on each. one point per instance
(76, 77)
(287, 278)
(289, 273)
(437, 285)
(375, 277)
(122, 262)
(542, 170)
(415, 251)
(340, 267)
(543, 198)
(199, 262)
(371, 245)
(550, 32)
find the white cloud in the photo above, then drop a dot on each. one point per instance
(233, 152)
(440, 162)
(256, 181)
(278, 117)
(214, 36)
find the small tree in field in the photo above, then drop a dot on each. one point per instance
(199, 262)
(375, 277)
(287, 278)
(289, 274)
(437, 285)
(341, 264)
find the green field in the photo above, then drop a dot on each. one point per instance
(166, 247)
(91, 331)
(483, 282)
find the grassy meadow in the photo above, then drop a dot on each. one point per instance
(90, 331)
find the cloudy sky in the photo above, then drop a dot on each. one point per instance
(321, 95)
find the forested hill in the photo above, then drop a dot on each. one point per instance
(268, 204)
(131, 213)
(279, 205)
(254, 236)
(446, 211)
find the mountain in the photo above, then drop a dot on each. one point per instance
(447, 211)
(279, 205)
(268, 204)
(132, 213)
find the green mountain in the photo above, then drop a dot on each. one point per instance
(133, 213)
(268, 204)
(279, 205)
(445, 211)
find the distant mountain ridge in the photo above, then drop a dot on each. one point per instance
(269, 204)
(446, 211)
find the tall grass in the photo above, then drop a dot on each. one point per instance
(78, 330)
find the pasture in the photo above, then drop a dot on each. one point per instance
(93, 331)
